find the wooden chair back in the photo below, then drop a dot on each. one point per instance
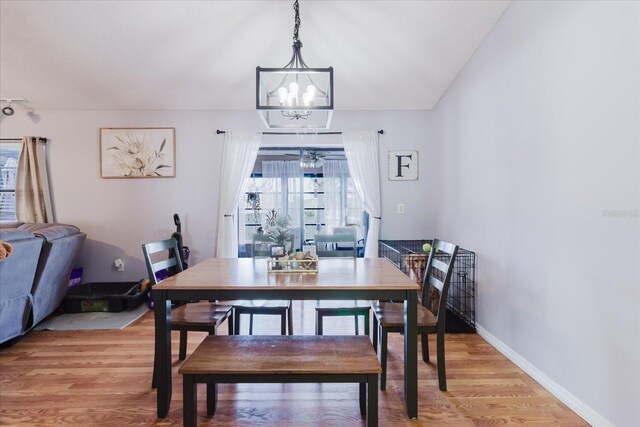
(171, 263)
(336, 245)
(437, 276)
(262, 243)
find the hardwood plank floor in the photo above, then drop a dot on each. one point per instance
(88, 378)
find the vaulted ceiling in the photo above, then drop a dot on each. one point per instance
(184, 55)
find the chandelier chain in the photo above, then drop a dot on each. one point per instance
(296, 27)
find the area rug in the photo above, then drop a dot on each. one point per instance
(91, 321)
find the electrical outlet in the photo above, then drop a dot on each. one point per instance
(119, 264)
(400, 208)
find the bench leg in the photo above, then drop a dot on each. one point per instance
(189, 399)
(383, 359)
(251, 324)
(212, 398)
(183, 345)
(357, 326)
(283, 323)
(290, 314)
(230, 324)
(363, 399)
(372, 401)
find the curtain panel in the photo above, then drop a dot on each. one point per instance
(282, 178)
(335, 174)
(361, 150)
(33, 199)
(238, 157)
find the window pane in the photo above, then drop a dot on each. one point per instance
(313, 200)
(9, 154)
(312, 184)
(294, 185)
(311, 230)
(313, 216)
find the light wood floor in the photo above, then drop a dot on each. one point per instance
(103, 378)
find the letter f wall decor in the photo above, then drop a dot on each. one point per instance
(403, 165)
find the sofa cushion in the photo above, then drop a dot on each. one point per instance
(15, 234)
(51, 232)
(10, 224)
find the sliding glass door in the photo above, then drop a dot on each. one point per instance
(316, 203)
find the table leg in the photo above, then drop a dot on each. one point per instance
(411, 353)
(162, 308)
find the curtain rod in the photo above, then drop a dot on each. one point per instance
(44, 140)
(218, 132)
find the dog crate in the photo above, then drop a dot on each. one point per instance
(410, 258)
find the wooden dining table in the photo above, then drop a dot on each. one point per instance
(246, 278)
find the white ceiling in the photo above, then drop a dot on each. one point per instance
(184, 55)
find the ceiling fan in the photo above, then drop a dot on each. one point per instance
(311, 159)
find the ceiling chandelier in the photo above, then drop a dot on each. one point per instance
(295, 96)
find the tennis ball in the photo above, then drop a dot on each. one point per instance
(426, 247)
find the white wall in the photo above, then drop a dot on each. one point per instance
(537, 150)
(118, 215)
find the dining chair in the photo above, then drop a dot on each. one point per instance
(339, 246)
(261, 248)
(199, 316)
(389, 316)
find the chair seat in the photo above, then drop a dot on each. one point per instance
(329, 304)
(259, 303)
(199, 314)
(391, 314)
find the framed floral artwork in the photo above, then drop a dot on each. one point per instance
(138, 152)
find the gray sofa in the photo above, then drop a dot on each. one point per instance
(34, 279)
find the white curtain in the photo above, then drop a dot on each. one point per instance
(238, 158)
(335, 174)
(33, 200)
(361, 150)
(282, 191)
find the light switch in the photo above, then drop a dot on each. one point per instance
(400, 208)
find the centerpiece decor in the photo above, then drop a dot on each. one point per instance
(277, 227)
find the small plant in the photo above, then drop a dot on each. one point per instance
(253, 202)
(277, 227)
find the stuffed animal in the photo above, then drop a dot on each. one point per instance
(5, 250)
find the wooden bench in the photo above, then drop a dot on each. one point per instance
(281, 359)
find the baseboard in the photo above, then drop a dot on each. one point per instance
(576, 405)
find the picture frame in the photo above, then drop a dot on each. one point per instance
(138, 152)
(403, 165)
(278, 251)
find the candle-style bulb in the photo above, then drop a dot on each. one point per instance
(282, 95)
(293, 89)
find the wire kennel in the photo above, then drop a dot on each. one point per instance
(409, 257)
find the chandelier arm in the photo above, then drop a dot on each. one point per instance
(278, 86)
(323, 93)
